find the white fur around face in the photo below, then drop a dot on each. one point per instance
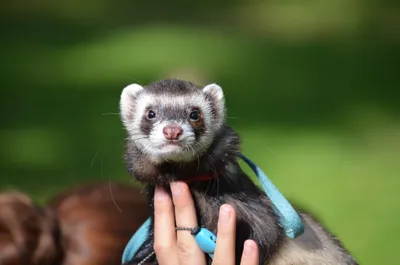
(159, 150)
(127, 102)
(154, 143)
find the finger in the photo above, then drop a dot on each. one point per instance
(250, 253)
(164, 228)
(185, 216)
(226, 236)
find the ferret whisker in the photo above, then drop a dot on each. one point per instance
(121, 142)
(210, 182)
(205, 151)
(132, 79)
(218, 188)
(137, 133)
(112, 196)
(101, 168)
(134, 137)
(198, 158)
(145, 150)
(139, 138)
(94, 158)
(103, 114)
(230, 117)
(202, 146)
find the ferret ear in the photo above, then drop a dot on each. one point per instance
(128, 101)
(214, 91)
(215, 95)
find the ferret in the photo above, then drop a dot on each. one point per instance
(95, 221)
(176, 130)
(82, 225)
(27, 232)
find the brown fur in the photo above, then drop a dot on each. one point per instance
(97, 221)
(86, 224)
(27, 232)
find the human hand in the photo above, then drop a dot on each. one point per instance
(180, 247)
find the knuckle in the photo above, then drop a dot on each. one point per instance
(186, 251)
(162, 248)
(162, 209)
(183, 209)
(185, 215)
(184, 197)
(159, 212)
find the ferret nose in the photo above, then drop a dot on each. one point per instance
(172, 132)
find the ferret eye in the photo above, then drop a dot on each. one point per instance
(194, 115)
(151, 114)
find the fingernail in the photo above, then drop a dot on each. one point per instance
(176, 190)
(160, 194)
(248, 249)
(225, 214)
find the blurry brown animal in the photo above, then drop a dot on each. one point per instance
(88, 224)
(97, 220)
(27, 232)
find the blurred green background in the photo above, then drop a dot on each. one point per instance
(311, 86)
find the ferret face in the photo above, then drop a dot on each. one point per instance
(172, 120)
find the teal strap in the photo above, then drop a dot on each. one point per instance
(288, 218)
(136, 241)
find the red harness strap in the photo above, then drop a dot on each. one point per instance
(203, 177)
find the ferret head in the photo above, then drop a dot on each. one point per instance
(172, 120)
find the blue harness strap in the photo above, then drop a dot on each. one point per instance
(136, 241)
(288, 219)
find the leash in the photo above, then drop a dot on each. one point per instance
(288, 219)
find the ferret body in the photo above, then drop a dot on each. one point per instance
(82, 225)
(177, 131)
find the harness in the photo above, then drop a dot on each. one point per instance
(288, 219)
